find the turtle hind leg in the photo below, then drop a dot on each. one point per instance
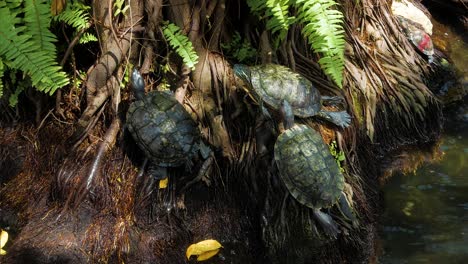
(157, 172)
(160, 174)
(341, 119)
(327, 223)
(347, 210)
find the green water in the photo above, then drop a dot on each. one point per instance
(425, 219)
(426, 213)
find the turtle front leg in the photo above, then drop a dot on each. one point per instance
(341, 118)
(327, 223)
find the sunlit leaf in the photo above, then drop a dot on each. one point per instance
(163, 183)
(204, 249)
(3, 240)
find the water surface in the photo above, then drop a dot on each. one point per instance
(426, 212)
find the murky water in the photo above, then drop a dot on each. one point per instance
(426, 212)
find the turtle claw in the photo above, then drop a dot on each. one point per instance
(327, 223)
(341, 119)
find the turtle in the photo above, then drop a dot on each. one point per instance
(418, 37)
(273, 83)
(162, 128)
(309, 171)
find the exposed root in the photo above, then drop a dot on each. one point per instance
(95, 169)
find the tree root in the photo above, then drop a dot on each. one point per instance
(89, 117)
(95, 169)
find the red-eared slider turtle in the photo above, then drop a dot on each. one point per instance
(418, 37)
(162, 128)
(273, 83)
(310, 172)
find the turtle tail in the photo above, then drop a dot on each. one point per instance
(341, 119)
(327, 223)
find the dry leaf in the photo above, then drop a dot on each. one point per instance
(57, 6)
(204, 249)
(163, 183)
(3, 240)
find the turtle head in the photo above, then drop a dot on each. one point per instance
(242, 72)
(138, 85)
(287, 114)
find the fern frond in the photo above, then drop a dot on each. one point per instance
(2, 72)
(76, 15)
(323, 28)
(277, 14)
(13, 99)
(37, 21)
(87, 37)
(181, 44)
(239, 49)
(22, 52)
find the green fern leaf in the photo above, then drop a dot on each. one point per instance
(181, 44)
(277, 14)
(2, 72)
(76, 15)
(22, 52)
(37, 21)
(324, 32)
(87, 37)
(322, 27)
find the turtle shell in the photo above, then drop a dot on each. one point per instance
(273, 83)
(418, 37)
(163, 129)
(307, 168)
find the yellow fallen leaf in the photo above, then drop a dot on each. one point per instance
(163, 183)
(204, 249)
(3, 240)
(207, 255)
